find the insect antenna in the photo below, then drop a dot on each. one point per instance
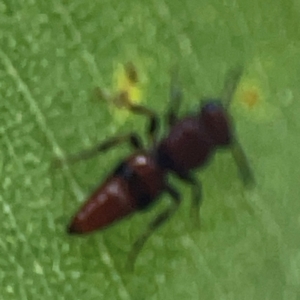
(232, 80)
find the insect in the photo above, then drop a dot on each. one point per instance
(138, 181)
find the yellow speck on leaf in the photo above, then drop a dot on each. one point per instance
(125, 91)
(251, 97)
(126, 82)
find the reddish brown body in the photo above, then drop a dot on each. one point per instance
(134, 185)
(138, 181)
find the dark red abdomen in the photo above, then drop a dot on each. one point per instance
(110, 202)
(134, 185)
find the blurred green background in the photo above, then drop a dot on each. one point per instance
(53, 54)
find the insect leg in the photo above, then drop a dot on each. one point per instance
(152, 130)
(196, 196)
(156, 223)
(132, 138)
(232, 80)
(242, 163)
(175, 98)
(122, 99)
(153, 120)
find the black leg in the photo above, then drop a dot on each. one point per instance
(153, 120)
(122, 99)
(131, 138)
(242, 164)
(231, 82)
(175, 98)
(156, 223)
(196, 196)
(196, 201)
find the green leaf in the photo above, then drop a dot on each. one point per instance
(52, 56)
